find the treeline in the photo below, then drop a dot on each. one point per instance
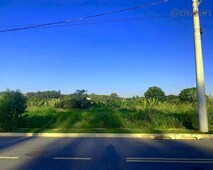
(13, 103)
(186, 95)
(81, 100)
(44, 95)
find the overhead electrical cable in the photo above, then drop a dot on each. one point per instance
(104, 21)
(83, 18)
(94, 21)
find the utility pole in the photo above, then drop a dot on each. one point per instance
(203, 117)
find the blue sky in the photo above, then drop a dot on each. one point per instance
(123, 57)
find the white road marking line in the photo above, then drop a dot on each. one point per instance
(72, 158)
(169, 160)
(175, 159)
(8, 157)
(161, 161)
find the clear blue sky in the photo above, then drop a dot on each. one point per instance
(123, 57)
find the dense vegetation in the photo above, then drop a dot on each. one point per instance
(154, 111)
(12, 106)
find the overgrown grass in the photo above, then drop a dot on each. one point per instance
(102, 130)
(162, 117)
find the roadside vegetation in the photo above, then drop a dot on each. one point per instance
(82, 112)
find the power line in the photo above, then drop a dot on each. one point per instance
(105, 21)
(94, 22)
(83, 18)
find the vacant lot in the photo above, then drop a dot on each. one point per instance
(161, 117)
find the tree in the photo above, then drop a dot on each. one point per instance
(114, 95)
(155, 92)
(188, 95)
(12, 106)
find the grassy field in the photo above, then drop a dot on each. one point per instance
(162, 118)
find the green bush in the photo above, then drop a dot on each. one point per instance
(173, 99)
(149, 103)
(80, 100)
(12, 106)
(66, 103)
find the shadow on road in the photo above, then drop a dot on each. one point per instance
(7, 142)
(109, 160)
(106, 153)
(111, 153)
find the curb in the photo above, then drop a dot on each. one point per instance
(164, 136)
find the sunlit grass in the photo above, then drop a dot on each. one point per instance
(164, 117)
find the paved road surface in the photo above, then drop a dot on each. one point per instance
(36, 153)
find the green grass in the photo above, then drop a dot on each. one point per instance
(163, 118)
(102, 130)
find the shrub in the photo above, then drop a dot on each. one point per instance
(80, 100)
(12, 106)
(66, 102)
(149, 102)
(173, 99)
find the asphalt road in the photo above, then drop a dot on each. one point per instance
(36, 153)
